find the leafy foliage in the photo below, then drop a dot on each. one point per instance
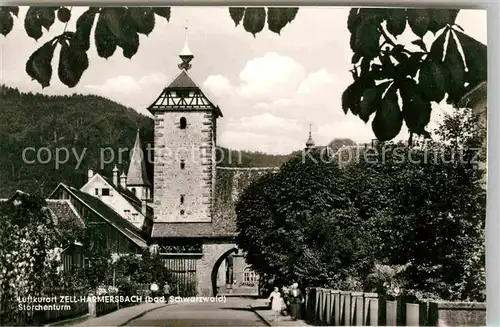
(386, 70)
(7, 15)
(146, 268)
(315, 238)
(97, 269)
(28, 234)
(338, 143)
(254, 18)
(416, 207)
(134, 271)
(30, 248)
(114, 27)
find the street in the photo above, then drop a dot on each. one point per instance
(235, 312)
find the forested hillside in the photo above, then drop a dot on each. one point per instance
(75, 123)
(85, 125)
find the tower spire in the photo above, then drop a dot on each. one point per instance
(186, 55)
(310, 142)
(137, 175)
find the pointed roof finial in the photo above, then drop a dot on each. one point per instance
(310, 142)
(186, 55)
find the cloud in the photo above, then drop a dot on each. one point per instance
(153, 79)
(279, 103)
(353, 128)
(269, 122)
(270, 76)
(218, 85)
(134, 92)
(316, 80)
(263, 142)
(262, 132)
(119, 84)
(274, 101)
(128, 84)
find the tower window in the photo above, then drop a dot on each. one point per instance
(183, 164)
(182, 123)
(182, 212)
(105, 191)
(133, 190)
(182, 199)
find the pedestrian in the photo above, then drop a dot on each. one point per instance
(296, 300)
(154, 290)
(166, 291)
(276, 301)
(285, 296)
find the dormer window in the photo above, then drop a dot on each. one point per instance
(182, 123)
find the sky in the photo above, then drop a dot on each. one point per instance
(270, 88)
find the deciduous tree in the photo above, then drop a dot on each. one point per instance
(299, 224)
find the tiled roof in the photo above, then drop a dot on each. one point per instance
(182, 81)
(108, 214)
(229, 183)
(64, 212)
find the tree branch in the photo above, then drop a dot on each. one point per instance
(392, 42)
(386, 36)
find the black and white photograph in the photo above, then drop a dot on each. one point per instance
(242, 166)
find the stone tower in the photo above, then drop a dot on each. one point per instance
(184, 149)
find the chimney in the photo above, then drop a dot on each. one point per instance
(90, 174)
(123, 180)
(115, 176)
(144, 207)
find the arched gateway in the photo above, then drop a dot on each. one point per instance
(194, 219)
